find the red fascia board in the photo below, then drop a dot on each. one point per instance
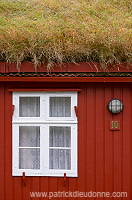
(65, 67)
(67, 79)
(2, 67)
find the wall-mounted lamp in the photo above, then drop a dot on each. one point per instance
(115, 106)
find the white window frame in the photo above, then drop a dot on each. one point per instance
(44, 121)
(16, 170)
(60, 94)
(60, 172)
(16, 96)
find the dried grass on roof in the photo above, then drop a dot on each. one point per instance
(66, 30)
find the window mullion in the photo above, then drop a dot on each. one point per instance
(45, 138)
(29, 147)
(42, 147)
(59, 147)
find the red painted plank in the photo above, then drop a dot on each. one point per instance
(45, 85)
(82, 168)
(118, 147)
(17, 188)
(99, 142)
(35, 185)
(73, 186)
(108, 151)
(63, 186)
(67, 67)
(9, 190)
(90, 141)
(26, 189)
(127, 141)
(44, 186)
(2, 67)
(2, 145)
(53, 186)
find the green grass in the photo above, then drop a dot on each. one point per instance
(48, 31)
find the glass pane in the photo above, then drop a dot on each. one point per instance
(29, 158)
(60, 107)
(29, 107)
(59, 158)
(59, 136)
(29, 136)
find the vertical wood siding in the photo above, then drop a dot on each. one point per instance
(104, 156)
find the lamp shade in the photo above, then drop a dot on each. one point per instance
(115, 106)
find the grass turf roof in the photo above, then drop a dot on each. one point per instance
(66, 30)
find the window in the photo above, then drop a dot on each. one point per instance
(44, 134)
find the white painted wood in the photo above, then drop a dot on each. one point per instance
(17, 95)
(60, 172)
(15, 163)
(73, 96)
(44, 121)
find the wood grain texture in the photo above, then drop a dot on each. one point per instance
(104, 156)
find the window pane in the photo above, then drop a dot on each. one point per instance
(29, 158)
(29, 107)
(59, 136)
(60, 107)
(59, 158)
(29, 136)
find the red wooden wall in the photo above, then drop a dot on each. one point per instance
(104, 156)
